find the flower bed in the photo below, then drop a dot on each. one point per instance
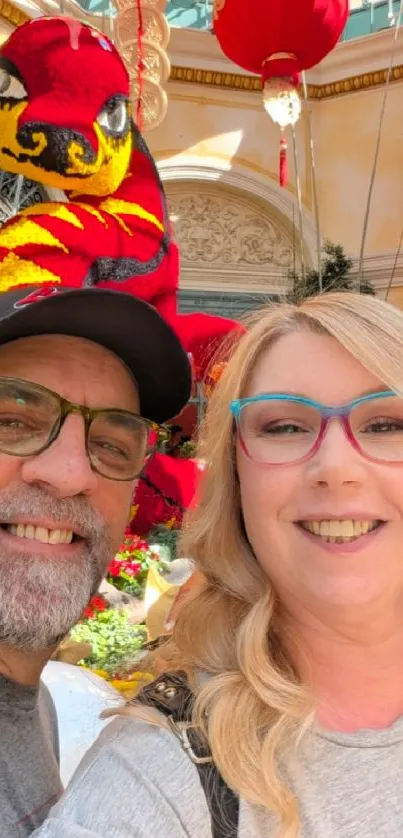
(114, 639)
(129, 569)
(111, 636)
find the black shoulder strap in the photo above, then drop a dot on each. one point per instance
(171, 696)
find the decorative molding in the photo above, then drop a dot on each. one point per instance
(253, 84)
(379, 267)
(221, 229)
(251, 184)
(232, 238)
(216, 78)
(358, 57)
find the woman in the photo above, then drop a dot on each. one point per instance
(294, 645)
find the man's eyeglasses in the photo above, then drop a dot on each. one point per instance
(118, 442)
(280, 429)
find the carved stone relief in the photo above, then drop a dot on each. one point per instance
(216, 227)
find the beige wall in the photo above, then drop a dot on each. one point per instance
(223, 129)
(345, 134)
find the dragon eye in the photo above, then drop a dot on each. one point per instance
(114, 117)
(11, 87)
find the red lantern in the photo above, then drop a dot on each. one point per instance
(277, 39)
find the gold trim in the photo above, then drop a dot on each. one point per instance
(253, 84)
(11, 14)
(215, 78)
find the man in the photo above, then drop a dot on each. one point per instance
(78, 370)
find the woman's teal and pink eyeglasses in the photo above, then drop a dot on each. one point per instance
(282, 429)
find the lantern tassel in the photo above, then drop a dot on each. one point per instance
(283, 160)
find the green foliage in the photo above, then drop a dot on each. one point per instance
(113, 638)
(188, 449)
(336, 267)
(165, 537)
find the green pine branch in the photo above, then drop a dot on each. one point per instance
(336, 276)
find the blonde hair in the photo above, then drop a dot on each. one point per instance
(253, 705)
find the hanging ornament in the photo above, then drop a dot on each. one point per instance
(140, 65)
(141, 33)
(282, 102)
(269, 39)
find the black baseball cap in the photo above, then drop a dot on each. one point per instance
(127, 326)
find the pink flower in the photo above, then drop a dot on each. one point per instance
(131, 568)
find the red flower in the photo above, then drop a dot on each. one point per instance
(114, 568)
(142, 545)
(98, 603)
(133, 542)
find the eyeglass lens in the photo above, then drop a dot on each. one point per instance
(118, 442)
(118, 445)
(281, 431)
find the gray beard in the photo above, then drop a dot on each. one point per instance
(42, 598)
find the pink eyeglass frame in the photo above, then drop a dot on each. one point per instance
(327, 413)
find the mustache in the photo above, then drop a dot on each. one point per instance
(33, 502)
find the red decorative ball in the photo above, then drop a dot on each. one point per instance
(276, 37)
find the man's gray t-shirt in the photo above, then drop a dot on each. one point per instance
(29, 758)
(136, 782)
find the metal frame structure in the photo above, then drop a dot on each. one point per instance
(16, 192)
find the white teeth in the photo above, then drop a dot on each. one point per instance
(347, 530)
(41, 533)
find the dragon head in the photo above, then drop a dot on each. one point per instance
(64, 107)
